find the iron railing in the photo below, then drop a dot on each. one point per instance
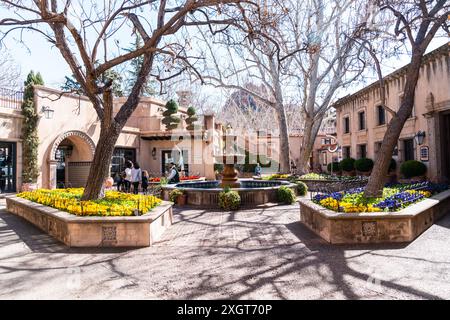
(11, 99)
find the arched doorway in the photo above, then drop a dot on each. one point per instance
(70, 159)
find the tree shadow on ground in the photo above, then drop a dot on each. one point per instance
(16, 230)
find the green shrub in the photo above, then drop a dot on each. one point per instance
(192, 117)
(364, 164)
(302, 189)
(347, 164)
(30, 144)
(286, 195)
(335, 167)
(412, 168)
(229, 200)
(392, 165)
(171, 120)
(173, 195)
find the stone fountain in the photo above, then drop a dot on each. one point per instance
(229, 158)
(206, 193)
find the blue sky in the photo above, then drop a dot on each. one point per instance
(45, 58)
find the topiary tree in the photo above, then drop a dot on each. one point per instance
(364, 164)
(347, 164)
(413, 168)
(30, 144)
(191, 118)
(170, 120)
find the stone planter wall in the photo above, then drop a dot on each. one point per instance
(374, 227)
(76, 231)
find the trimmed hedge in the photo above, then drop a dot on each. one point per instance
(364, 164)
(286, 195)
(302, 188)
(413, 168)
(347, 164)
(336, 167)
(229, 200)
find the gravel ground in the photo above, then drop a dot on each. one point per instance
(249, 254)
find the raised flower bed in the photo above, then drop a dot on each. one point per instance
(119, 219)
(402, 214)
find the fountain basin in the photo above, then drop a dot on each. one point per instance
(206, 193)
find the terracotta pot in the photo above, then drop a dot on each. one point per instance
(181, 200)
(391, 177)
(413, 179)
(29, 186)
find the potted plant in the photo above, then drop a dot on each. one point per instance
(178, 196)
(364, 166)
(29, 185)
(347, 166)
(335, 167)
(413, 170)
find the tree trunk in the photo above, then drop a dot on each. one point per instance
(310, 132)
(375, 185)
(284, 155)
(109, 132)
(101, 163)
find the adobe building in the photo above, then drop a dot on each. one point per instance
(362, 122)
(69, 129)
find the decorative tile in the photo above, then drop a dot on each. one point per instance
(109, 234)
(369, 228)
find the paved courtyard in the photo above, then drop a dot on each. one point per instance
(250, 254)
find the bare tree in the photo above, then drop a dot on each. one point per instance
(417, 23)
(247, 114)
(238, 59)
(84, 30)
(332, 61)
(9, 71)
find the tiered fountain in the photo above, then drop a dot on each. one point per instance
(230, 157)
(252, 192)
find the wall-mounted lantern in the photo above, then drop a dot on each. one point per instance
(419, 137)
(154, 153)
(48, 112)
(206, 136)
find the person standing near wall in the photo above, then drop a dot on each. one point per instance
(136, 175)
(128, 178)
(174, 175)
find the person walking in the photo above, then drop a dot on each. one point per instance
(128, 178)
(145, 177)
(136, 176)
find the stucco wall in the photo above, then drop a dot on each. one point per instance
(432, 94)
